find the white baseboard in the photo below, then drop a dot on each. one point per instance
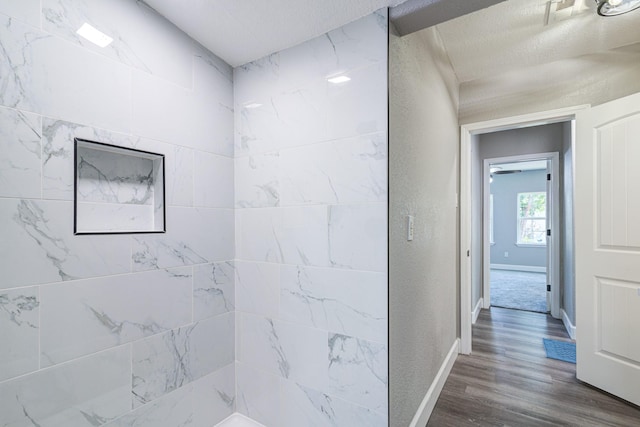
(571, 328)
(425, 409)
(529, 268)
(476, 311)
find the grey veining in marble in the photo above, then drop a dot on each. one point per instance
(19, 329)
(89, 315)
(27, 11)
(358, 371)
(57, 148)
(308, 407)
(86, 392)
(168, 361)
(195, 236)
(345, 301)
(40, 246)
(20, 174)
(114, 178)
(291, 351)
(134, 28)
(213, 289)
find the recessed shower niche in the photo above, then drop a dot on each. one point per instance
(117, 189)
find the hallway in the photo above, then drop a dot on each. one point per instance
(508, 381)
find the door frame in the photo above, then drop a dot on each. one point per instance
(553, 270)
(467, 133)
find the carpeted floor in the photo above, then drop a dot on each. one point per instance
(520, 290)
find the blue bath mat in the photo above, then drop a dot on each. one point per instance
(560, 350)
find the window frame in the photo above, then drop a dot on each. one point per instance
(520, 218)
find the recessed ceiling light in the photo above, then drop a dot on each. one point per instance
(253, 105)
(338, 79)
(94, 36)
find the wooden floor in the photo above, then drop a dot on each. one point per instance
(508, 381)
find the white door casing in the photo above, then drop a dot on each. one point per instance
(553, 223)
(467, 133)
(607, 246)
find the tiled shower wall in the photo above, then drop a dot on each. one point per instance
(114, 330)
(311, 231)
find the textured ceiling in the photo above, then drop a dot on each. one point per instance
(512, 37)
(240, 31)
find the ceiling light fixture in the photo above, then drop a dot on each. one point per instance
(338, 79)
(253, 105)
(94, 35)
(616, 7)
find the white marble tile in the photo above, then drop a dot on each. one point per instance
(19, 329)
(209, 58)
(294, 235)
(280, 119)
(358, 372)
(86, 392)
(71, 83)
(256, 238)
(172, 410)
(359, 106)
(115, 217)
(178, 173)
(27, 11)
(57, 162)
(295, 352)
(39, 245)
(213, 180)
(257, 288)
(343, 171)
(358, 236)
(137, 32)
(20, 171)
(355, 45)
(345, 301)
(201, 118)
(198, 404)
(257, 180)
(106, 177)
(358, 44)
(16, 62)
(258, 395)
(194, 236)
(318, 111)
(85, 316)
(57, 153)
(214, 396)
(303, 406)
(165, 362)
(213, 289)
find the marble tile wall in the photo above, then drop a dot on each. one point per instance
(115, 330)
(311, 231)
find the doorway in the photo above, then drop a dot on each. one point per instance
(521, 211)
(472, 251)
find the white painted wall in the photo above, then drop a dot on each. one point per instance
(423, 160)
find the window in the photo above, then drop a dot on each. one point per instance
(532, 218)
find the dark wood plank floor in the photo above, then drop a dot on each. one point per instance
(508, 381)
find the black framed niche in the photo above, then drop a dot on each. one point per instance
(117, 190)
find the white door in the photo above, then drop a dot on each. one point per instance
(607, 246)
